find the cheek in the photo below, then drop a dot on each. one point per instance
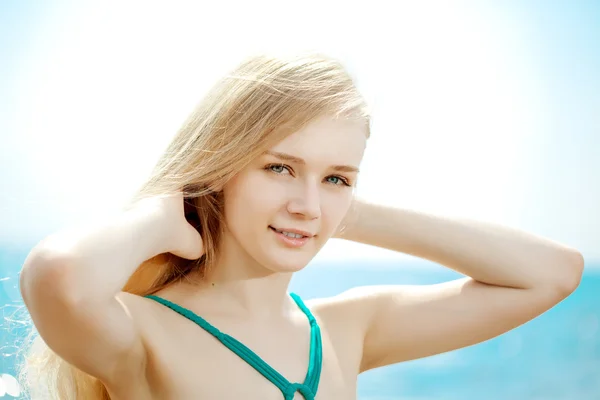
(259, 195)
(247, 201)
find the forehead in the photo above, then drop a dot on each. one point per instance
(327, 139)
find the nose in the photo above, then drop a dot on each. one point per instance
(305, 200)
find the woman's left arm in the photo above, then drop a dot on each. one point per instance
(512, 277)
(488, 253)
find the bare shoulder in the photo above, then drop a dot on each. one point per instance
(344, 321)
(132, 381)
(136, 306)
(145, 313)
(350, 311)
(149, 319)
(346, 310)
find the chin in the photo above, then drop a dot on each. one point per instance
(288, 266)
(288, 263)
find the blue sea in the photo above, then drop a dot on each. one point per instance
(554, 357)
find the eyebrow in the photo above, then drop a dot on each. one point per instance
(298, 160)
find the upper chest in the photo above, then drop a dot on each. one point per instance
(186, 361)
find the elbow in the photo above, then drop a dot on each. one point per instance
(571, 273)
(41, 276)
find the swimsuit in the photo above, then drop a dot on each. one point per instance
(308, 389)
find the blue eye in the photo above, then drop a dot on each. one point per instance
(339, 181)
(277, 168)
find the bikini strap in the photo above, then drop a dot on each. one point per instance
(308, 389)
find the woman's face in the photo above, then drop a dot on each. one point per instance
(304, 183)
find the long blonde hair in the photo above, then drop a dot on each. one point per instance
(256, 105)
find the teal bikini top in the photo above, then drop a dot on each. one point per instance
(308, 389)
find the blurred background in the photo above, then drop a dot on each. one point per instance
(482, 109)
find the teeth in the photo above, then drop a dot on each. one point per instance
(292, 235)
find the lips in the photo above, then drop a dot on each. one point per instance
(291, 230)
(291, 241)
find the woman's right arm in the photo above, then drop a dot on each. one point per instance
(71, 283)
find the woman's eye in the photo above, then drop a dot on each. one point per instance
(280, 169)
(277, 168)
(339, 181)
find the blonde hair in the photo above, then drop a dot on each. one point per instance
(264, 99)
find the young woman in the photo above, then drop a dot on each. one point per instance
(185, 294)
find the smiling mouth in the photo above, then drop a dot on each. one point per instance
(295, 235)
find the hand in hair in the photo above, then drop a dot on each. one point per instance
(175, 216)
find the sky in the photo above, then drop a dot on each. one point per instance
(481, 109)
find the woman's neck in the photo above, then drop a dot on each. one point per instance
(240, 285)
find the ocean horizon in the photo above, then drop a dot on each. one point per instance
(553, 357)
